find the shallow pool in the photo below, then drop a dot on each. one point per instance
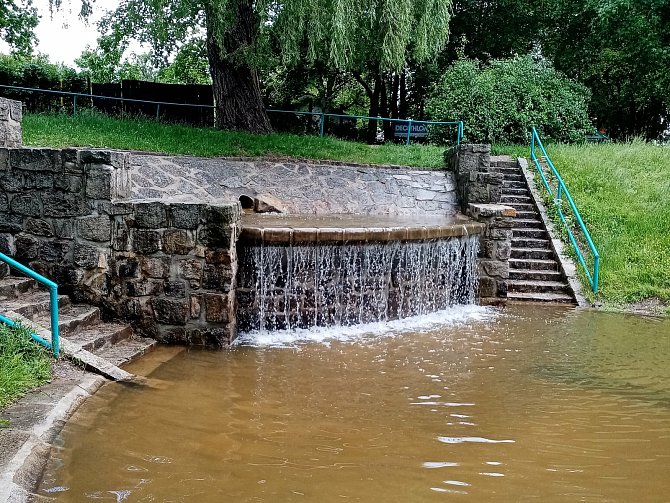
(521, 404)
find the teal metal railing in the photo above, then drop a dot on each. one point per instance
(54, 344)
(557, 197)
(322, 116)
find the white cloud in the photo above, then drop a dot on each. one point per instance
(63, 35)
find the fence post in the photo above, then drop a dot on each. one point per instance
(74, 107)
(158, 111)
(321, 125)
(409, 130)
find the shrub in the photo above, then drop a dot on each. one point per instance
(500, 102)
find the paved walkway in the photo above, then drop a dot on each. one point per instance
(301, 186)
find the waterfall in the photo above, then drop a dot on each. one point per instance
(306, 285)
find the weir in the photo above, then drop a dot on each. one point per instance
(340, 270)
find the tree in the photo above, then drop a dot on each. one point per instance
(500, 101)
(18, 19)
(366, 37)
(621, 50)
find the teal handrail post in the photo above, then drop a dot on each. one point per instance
(409, 131)
(322, 123)
(74, 105)
(562, 191)
(54, 345)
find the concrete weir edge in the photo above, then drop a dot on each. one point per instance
(20, 475)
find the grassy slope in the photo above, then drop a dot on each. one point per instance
(24, 364)
(623, 194)
(147, 135)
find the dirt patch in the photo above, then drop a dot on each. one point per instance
(648, 307)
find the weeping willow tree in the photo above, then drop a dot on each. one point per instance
(363, 37)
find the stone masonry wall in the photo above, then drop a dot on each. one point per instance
(495, 247)
(174, 270)
(55, 214)
(479, 189)
(475, 181)
(169, 269)
(10, 123)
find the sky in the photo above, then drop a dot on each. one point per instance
(64, 36)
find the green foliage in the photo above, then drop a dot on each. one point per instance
(37, 71)
(95, 130)
(18, 19)
(499, 102)
(621, 50)
(190, 65)
(24, 364)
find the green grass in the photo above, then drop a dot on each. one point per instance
(96, 130)
(24, 364)
(623, 194)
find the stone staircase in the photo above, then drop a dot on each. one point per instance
(80, 324)
(535, 273)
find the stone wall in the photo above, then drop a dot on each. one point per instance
(174, 270)
(475, 181)
(169, 268)
(495, 247)
(10, 123)
(55, 213)
(297, 186)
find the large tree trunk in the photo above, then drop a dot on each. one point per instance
(237, 92)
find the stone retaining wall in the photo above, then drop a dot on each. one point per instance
(170, 268)
(10, 123)
(312, 187)
(479, 188)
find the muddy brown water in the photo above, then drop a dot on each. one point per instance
(522, 404)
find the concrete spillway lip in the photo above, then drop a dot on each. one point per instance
(348, 228)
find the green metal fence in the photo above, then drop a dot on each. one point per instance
(410, 125)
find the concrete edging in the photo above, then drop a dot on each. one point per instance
(566, 264)
(22, 472)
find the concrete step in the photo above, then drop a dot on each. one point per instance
(536, 286)
(101, 335)
(556, 298)
(514, 185)
(534, 275)
(514, 191)
(530, 243)
(509, 177)
(33, 303)
(13, 286)
(534, 264)
(503, 161)
(516, 199)
(533, 253)
(528, 223)
(127, 350)
(528, 215)
(71, 319)
(522, 206)
(525, 232)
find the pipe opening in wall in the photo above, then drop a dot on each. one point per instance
(246, 202)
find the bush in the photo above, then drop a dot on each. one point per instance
(499, 102)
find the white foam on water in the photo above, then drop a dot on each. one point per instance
(454, 316)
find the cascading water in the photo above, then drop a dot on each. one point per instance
(306, 285)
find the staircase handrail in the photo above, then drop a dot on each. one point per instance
(54, 345)
(556, 198)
